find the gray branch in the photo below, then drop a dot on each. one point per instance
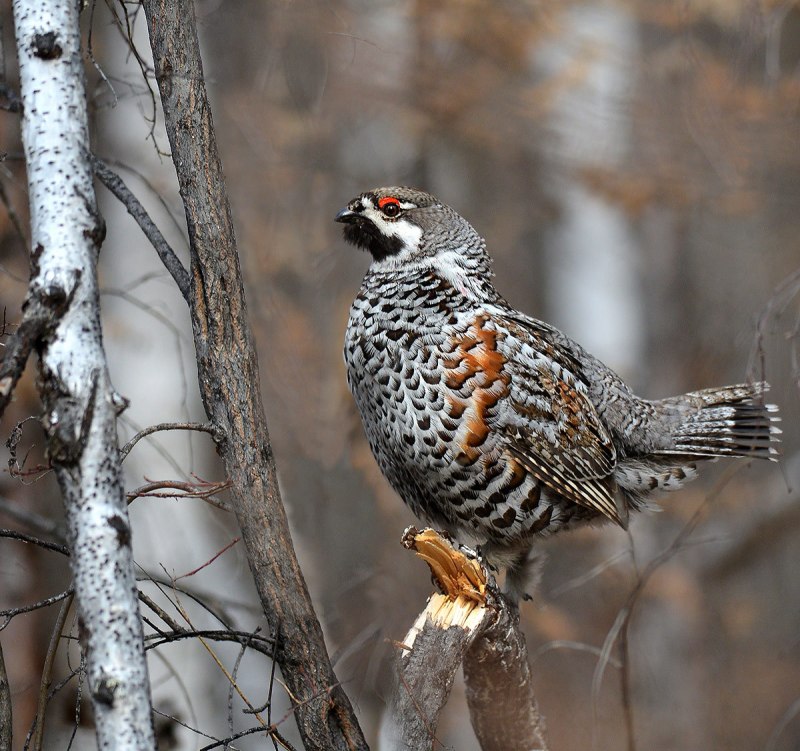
(117, 186)
(80, 403)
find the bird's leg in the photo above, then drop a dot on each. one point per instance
(523, 574)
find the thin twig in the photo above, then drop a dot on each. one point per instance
(47, 674)
(161, 613)
(23, 537)
(90, 55)
(181, 685)
(13, 612)
(205, 491)
(36, 320)
(81, 673)
(126, 31)
(619, 630)
(234, 673)
(205, 427)
(115, 184)
(210, 561)
(5, 707)
(262, 644)
(218, 662)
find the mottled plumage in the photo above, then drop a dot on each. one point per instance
(496, 426)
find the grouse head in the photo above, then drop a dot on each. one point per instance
(403, 226)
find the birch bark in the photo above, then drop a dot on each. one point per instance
(80, 404)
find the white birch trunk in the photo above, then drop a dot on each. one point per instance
(81, 406)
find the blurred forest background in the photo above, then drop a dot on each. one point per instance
(635, 168)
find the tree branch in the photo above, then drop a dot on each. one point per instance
(205, 427)
(5, 707)
(229, 384)
(35, 322)
(116, 185)
(472, 622)
(47, 673)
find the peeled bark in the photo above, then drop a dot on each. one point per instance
(468, 621)
(80, 404)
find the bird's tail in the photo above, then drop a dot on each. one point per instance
(727, 421)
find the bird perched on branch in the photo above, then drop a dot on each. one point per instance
(496, 426)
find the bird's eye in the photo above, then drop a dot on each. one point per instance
(389, 206)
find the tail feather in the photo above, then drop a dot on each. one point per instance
(729, 421)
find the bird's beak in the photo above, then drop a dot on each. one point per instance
(345, 216)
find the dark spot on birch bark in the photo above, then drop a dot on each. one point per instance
(97, 233)
(54, 296)
(120, 526)
(35, 255)
(104, 691)
(46, 46)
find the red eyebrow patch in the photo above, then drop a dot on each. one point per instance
(386, 201)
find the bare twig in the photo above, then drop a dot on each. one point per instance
(201, 489)
(251, 710)
(125, 27)
(784, 293)
(90, 55)
(161, 613)
(23, 537)
(10, 613)
(116, 185)
(210, 561)
(261, 644)
(5, 707)
(36, 320)
(205, 427)
(47, 673)
(619, 630)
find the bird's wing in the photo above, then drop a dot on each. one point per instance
(542, 408)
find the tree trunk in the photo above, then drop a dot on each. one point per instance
(80, 405)
(229, 385)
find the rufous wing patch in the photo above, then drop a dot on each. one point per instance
(476, 366)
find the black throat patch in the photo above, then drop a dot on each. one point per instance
(362, 233)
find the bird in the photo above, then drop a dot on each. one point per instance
(496, 427)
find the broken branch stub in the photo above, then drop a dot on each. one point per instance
(468, 621)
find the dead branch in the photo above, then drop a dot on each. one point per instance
(117, 186)
(47, 674)
(229, 384)
(180, 489)
(36, 320)
(5, 707)
(23, 537)
(10, 613)
(205, 427)
(469, 621)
